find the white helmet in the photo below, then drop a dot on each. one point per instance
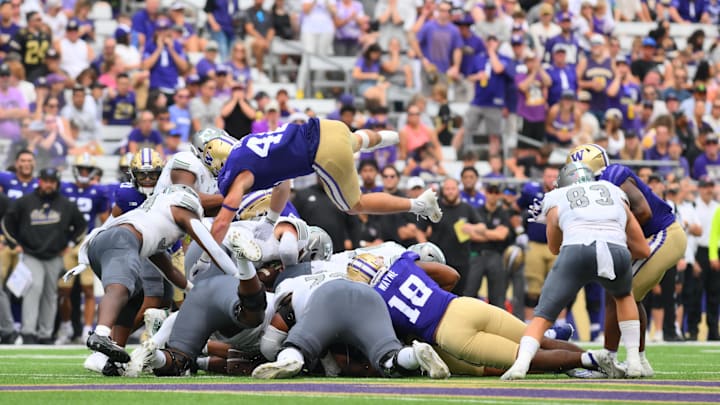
(319, 246)
(303, 231)
(428, 252)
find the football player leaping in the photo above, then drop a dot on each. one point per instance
(664, 234)
(325, 147)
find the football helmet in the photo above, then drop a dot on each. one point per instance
(364, 267)
(84, 168)
(216, 152)
(513, 258)
(428, 252)
(319, 246)
(574, 173)
(203, 136)
(145, 169)
(593, 156)
(124, 168)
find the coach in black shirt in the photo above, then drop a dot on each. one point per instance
(444, 235)
(490, 239)
(42, 223)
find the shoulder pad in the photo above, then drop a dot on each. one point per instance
(185, 197)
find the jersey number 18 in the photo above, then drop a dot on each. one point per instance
(414, 290)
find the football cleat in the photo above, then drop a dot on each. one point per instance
(634, 369)
(154, 318)
(560, 332)
(278, 369)
(104, 344)
(584, 373)
(601, 358)
(140, 358)
(647, 370)
(96, 362)
(429, 207)
(64, 334)
(244, 248)
(430, 361)
(113, 369)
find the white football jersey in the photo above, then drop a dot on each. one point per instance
(248, 340)
(589, 212)
(154, 219)
(204, 180)
(389, 251)
(302, 288)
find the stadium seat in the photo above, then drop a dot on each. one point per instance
(322, 107)
(320, 64)
(114, 133)
(105, 29)
(449, 153)
(272, 88)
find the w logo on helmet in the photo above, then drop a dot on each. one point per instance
(577, 156)
(208, 158)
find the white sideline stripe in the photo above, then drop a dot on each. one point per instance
(43, 356)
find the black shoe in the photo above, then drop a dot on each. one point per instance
(105, 345)
(29, 339)
(46, 341)
(713, 338)
(673, 338)
(691, 337)
(9, 338)
(112, 369)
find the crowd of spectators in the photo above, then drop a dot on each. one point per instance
(532, 77)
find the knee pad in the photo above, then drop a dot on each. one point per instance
(180, 364)
(242, 363)
(531, 302)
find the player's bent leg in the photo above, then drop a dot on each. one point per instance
(176, 364)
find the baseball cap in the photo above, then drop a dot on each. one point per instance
(4, 70)
(346, 99)
(415, 182)
(174, 132)
(162, 23)
(72, 25)
(193, 79)
(52, 54)
(260, 95)
(490, 4)
(272, 105)
(222, 70)
(621, 58)
(517, 40)
(711, 138)
(671, 95)
(564, 16)
(568, 94)
(49, 173)
(613, 113)
(584, 96)
(121, 31)
(655, 178)
(50, 4)
(648, 41)
(41, 82)
(55, 78)
(518, 27)
(466, 19)
(177, 5)
(559, 48)
(597, 39)
(493, 186)
(212, 46)
(510, 189)
(706, 182)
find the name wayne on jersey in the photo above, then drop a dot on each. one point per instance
(588, 212)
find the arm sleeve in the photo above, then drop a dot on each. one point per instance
(714, 236)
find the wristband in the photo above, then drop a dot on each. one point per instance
(188, 286)
(272, 216)
(229, 208)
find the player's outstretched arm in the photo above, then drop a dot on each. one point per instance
(231, 204)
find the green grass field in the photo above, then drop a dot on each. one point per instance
(684, 374)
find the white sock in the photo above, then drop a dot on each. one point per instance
(161, 337)
(528, 347)
(246, 270)
(203, 363)
(630, 331)
(288, 249)
(642, 356)
(87, 328)
(406, 359)
(290, 353)
(586, 361)
(102, 330)
(158, 359)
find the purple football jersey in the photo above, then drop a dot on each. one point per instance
(90, 200)
(662, 215)
(127, 197)
(14, 188)
(273, 156)
(415, 301)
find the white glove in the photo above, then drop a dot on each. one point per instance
(264, 231)
(522, 240)
(202, 265)
(74, 271)
(535, 213)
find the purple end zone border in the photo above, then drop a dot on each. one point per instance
(349, 389)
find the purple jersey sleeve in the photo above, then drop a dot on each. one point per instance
(415, 301)
(127, 197)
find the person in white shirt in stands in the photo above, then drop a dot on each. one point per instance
(317, 31)
(75, 53)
